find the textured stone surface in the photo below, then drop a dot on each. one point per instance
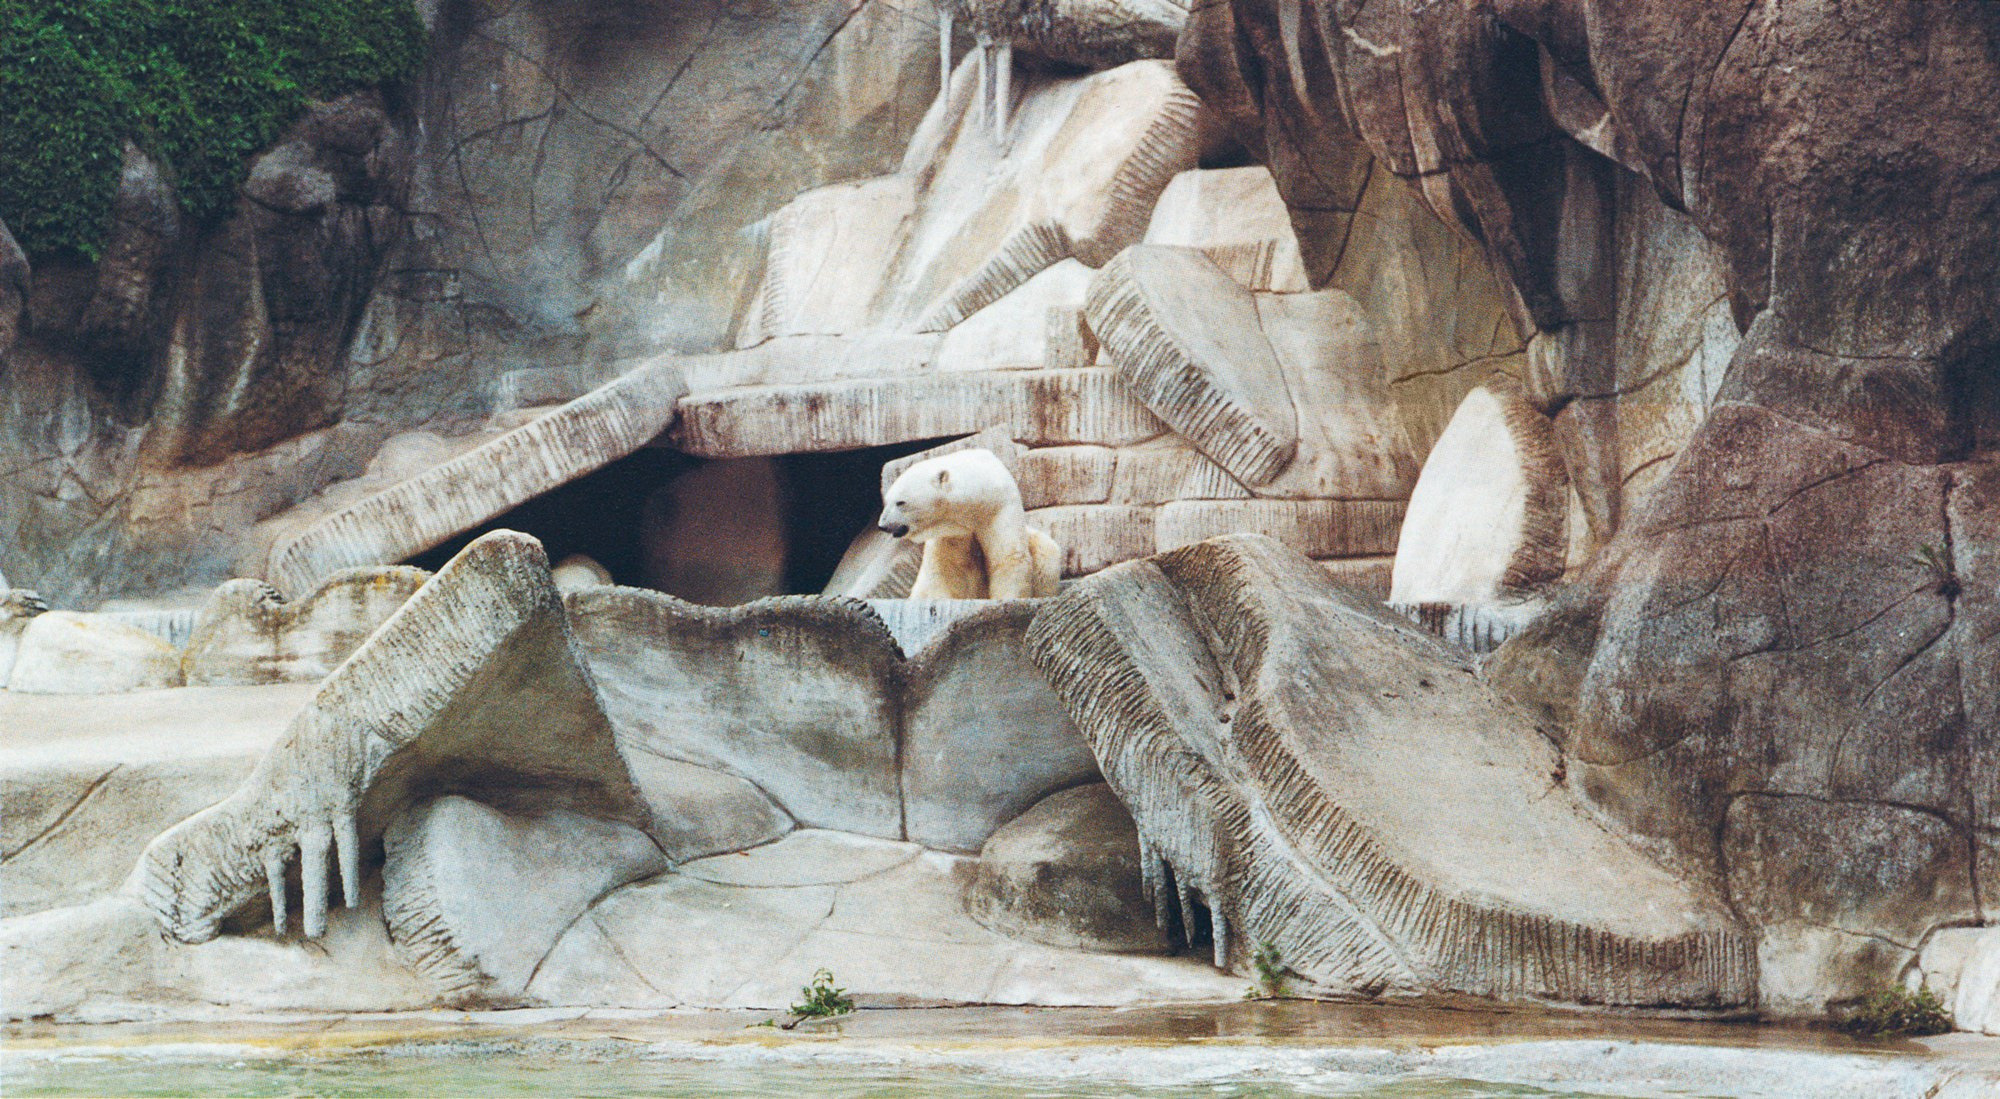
(1037, 407)
(768, 918)
(982, 738)
(1187, 341)
(78, 654)
(1489, 518)
(474, 898)
(248, 633)
(428, 705)
(1066, 874)
(597, 428)
(88, 782)
(1267, 729)
(1237, 218)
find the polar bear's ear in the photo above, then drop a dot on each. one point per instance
(943, 477)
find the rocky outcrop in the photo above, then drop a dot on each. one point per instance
(428, 705)
(455, 875)
(74, 654)
(1309, 772)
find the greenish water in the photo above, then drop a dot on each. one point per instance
(417, 1072)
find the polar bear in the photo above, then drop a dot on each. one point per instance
(965, 509)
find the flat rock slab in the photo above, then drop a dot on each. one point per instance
(88, 782)
(1187, 339)
(747, 930)
(1309, 771)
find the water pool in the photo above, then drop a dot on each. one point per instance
(1253, 1051)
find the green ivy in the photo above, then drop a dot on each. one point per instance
(198, 84)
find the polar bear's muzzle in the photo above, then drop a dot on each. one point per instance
(894, 530)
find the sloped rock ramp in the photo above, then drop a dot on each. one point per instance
(586, 434)
(1322, 777)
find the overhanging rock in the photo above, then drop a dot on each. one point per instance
(1332, 782)
(430, 705)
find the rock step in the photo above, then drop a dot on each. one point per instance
(597, 428)
(1036, 407)
(1329, 780)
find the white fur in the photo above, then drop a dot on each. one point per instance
(965, 509)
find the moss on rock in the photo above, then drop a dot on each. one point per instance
(198, 84)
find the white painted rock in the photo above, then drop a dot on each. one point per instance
(579, 571)
(1489, 517)
(1236, 216)
(1962, 965)
(16, 609)
(76, 654)
(474, 897)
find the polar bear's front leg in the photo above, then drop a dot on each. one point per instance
(1010, 561)
(951, 569)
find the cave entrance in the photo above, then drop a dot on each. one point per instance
(719, 532)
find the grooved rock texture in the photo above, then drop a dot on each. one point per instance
(248, 634)
(1311, 772)
(1066, 873)
(605, 424)
(1489, 518)
(474, 898)
(428, 705)
(1186, 339)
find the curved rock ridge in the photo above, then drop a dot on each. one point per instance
(431, 704)
(249, 633)
(597, 428)
(815, 701)
(1186, 337)
(1326, 779)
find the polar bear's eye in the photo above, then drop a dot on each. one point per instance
(902, 503)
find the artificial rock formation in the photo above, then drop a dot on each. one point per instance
(1489, 517)
(427, 706)
(1066, 873)
(249, 634)
(1317, 775)
(66, 653)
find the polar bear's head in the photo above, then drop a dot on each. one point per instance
(950, 496)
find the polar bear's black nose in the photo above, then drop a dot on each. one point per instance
(895, 530)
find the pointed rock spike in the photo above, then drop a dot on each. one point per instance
(274, 880)
(944, 50)
(1219, 930)
(347, 845)
(313, 845)
(1186, 897)
(1003, 79)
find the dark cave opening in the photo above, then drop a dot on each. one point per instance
(719, 532)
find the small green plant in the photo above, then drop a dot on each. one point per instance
(822, 1000)
(1272, 980)
(1944, 575)
(1897, 1012)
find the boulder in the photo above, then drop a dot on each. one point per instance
(982, 737)
(1489, 518)
(1066, 873)
(578, 571)
(1266, 727)
(64, 652)
(248, 633)
(474, 898)
(17, 606)
(1236, 216)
